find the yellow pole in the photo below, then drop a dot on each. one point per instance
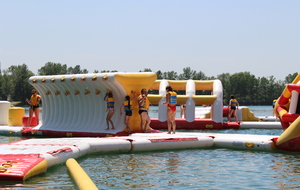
(83, 181)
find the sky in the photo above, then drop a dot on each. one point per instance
(212, 36)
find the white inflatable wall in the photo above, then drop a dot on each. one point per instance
(162, 109)
(217, 108)
(78, 105)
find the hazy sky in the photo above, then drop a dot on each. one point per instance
(212, 36)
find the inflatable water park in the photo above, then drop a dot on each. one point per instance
(73, 121)
(73, 106)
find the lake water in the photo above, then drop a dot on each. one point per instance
(182, 169)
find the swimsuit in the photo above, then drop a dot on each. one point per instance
(110, 103)
(173, 108)
(233, 104)
(128, 112)
(33, 107)
(34, 101)
(141, 111)
(172, 100)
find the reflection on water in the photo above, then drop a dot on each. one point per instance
(287, 168)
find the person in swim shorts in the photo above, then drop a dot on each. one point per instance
(110, 108)
(127, 105)
(34, 103)
(233, 106)
(171, 101)
(143, 110)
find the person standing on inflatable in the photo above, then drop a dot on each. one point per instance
(233, 106)
(171, 101)
(143, 110)
(127, 105)
(110, 108)
(34, 102)
(274, 110)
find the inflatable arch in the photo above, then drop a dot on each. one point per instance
(73, 105)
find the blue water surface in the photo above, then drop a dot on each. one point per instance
(181, 169)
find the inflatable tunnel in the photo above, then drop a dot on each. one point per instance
(73, 105)
(191, 100)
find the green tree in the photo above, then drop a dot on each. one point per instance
(225, 80)
(242, 86)
(6, 85)
(108, 71)
(21, 87)
(146, 70)
(199, 76)
(187, 74)
(51, 68)
(159, 75)
(76, 70)
(290, 77)
(170, 75)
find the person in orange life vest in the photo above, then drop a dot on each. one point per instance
(34, 102)
(110, 108)
(143, 110)
(274, 111)
(171, 101)
(127, 105)
(233, 106)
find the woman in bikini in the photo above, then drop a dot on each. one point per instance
(171, 101)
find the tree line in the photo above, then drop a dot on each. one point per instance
(248, 89)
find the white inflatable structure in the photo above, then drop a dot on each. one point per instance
(76, 102)
(190, 98)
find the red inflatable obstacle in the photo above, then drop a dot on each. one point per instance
(197, 124)
(287, 106)
(33, 122)
(288, 109)
(19, 167)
